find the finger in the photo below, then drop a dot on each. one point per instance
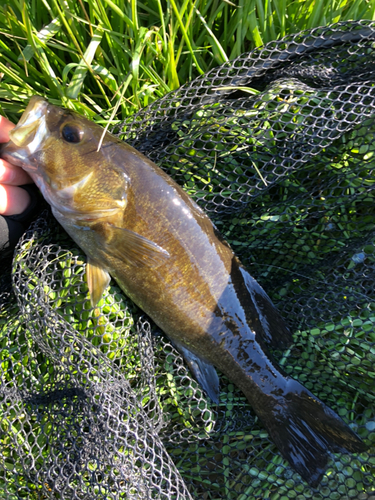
(13, 200)
(5, 127)
(10, 174)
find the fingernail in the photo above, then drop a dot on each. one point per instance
(6, 174)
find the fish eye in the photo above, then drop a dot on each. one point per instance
(72, 133)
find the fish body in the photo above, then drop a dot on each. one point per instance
(137, 225)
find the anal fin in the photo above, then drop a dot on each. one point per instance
(204, 373)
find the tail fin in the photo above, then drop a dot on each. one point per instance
(304, 429)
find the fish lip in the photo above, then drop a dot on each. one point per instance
(31, 130)
(37, 106)
(16, 156)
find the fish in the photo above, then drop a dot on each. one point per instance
(138, 226)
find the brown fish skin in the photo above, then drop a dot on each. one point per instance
(137, 225)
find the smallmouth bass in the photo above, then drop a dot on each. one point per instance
(137, 225)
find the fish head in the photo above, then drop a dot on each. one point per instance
(59, 150)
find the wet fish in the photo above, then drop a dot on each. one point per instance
(137, 225)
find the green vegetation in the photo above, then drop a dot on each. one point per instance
(102, 57)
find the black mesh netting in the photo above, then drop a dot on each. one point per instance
(278, 147)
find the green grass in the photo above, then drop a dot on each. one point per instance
(105, 57)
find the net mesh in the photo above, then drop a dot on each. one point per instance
(278, 147)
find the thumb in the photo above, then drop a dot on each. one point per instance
(5, 127)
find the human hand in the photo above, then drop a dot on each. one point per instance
(13, 199)
(18, 205)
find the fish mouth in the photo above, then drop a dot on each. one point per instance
(31, 128)
(28, 135)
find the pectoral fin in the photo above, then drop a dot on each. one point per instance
(97, 280)
(130, 247)
(204, 373)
